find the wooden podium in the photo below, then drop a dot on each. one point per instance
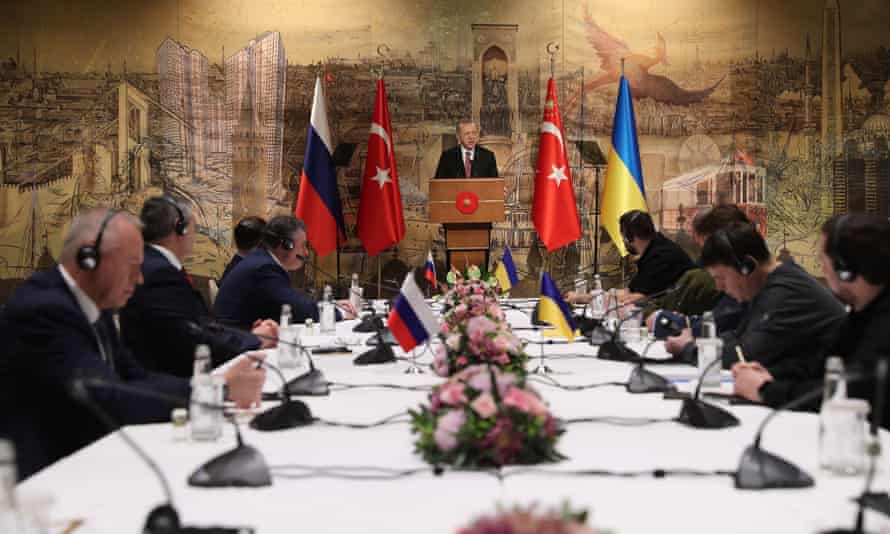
(466, 207)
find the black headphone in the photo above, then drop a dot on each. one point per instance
(181, 225)
(843, 267)
(276, 239)
(624, 233)
(88, 256)
(745, 266)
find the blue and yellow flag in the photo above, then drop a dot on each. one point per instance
(624, 189)
(553, 310)
(506, 271)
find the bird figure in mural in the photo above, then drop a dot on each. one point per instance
(611, 50)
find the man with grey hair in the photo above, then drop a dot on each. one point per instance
(259, 285)
(60, 328)
(467, 159)
(162, 321)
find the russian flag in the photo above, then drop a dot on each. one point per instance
(318, 203)
(430, 272)
(411, 321)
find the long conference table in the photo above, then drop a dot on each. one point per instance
(112, 490)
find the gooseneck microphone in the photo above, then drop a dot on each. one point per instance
(243, 466)
(699, 414)
(312, 383)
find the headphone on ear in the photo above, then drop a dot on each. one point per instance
(845, 270)
(745, 266)
(285, 242)
(88, 256)
(180, 226)
(635, 214)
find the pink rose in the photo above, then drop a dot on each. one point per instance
(479, 327)
(453, 341)
(481, 381)
(484, 405)
(462, 360)
(447, 428)
(524, 401)
(452, 392)
(440, 361)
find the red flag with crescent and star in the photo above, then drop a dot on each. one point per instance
(381, 223)
(554, 211)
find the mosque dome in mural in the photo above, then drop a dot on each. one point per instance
(877, 123)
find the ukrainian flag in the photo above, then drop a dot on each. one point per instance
(624, 189)
(506, 271)
(553, 310)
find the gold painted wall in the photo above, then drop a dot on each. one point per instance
(104, 102)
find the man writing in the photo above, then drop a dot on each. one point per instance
(854, 251)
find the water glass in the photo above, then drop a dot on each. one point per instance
(843, 446)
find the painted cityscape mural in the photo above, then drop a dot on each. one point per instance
(783, 109)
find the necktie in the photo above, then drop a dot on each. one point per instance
(188, 277)
(468, 164)
(104, 343)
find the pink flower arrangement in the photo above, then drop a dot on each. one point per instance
(527, 521)
(485, 417)
(475, 331)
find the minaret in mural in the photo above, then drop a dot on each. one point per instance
(248, 189)
(809, 122)
(832, 105)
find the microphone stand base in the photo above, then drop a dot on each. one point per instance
(641, 380)
(542, 369)
(617, 351)
(414, 369)
(310, 384)
(243, 466)
(289, 414)
(162, 519)
(759, 469)
(699, 414)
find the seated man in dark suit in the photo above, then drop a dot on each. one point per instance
(854, 251)
(62, 329)
(467, 159)
(248, 234)
(158, 322)
(259, 285)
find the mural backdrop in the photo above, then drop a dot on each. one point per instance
(781, 107)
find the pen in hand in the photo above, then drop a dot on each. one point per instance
(740, 353)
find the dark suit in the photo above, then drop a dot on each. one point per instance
(236, 259)
(451, 164)
(255, 289)
(155, 321)
(52, 343)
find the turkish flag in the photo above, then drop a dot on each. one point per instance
(554, 211)
(380, 220)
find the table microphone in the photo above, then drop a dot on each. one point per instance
(312, 383)
(242, 466)
(699, 414)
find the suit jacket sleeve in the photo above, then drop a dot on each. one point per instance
(275, 285)
(491, 165)
(442, 168)
(62, 348)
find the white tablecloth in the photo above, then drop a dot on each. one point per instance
(113, 490)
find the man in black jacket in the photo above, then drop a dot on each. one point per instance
(58, 328)
(467, 159)
(790, 317)
(158, 322)
(855, 253)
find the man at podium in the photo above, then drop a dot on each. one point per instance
(467, 160)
